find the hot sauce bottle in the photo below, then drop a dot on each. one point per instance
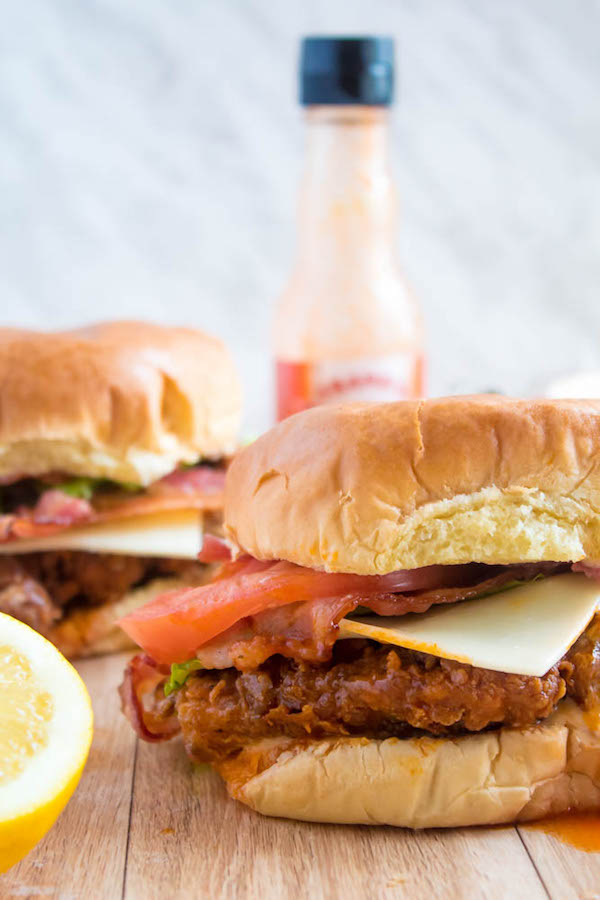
(347, 327)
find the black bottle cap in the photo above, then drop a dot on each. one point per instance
(347, 70)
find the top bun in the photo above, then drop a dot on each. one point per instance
(120, 400)
(371, 488)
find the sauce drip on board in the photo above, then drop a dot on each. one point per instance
(579, 830)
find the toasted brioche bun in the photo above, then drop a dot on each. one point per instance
(371, 488)
(508, 775)
(120, 400)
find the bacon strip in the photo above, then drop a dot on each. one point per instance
(58, 508)
(198, 488)
(54, 511)
(422, 601)
(589, 568)
(302, 631)
(214, 550)
(142, 679)
(205, 480)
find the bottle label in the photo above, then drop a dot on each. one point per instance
(385, 378)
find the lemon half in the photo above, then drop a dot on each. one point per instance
(46, 728)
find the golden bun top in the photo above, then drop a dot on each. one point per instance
(371, 488)
(120, 400)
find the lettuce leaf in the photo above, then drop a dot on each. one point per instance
(180, 673)
(84, 488)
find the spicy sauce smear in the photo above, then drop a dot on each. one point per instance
(579, 830)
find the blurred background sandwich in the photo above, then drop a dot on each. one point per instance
(113, 443)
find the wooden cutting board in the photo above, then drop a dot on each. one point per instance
(145, 824)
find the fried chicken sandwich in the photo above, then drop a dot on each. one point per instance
(112, 448)
(406, 631)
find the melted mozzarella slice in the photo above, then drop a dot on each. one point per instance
(525, 630)
(176, 534)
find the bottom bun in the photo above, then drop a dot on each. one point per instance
(508, 775)
(93, 630)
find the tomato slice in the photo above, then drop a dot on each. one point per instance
(176, 624)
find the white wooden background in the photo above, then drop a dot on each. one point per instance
(149, 153)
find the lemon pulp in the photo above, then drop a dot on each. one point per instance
(25, 714)
(45, 734)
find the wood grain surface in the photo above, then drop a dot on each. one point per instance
(145, 824)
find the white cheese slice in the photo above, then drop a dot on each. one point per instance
(525, 630)
(176, 534)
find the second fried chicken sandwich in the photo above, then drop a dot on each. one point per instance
(113, 441)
